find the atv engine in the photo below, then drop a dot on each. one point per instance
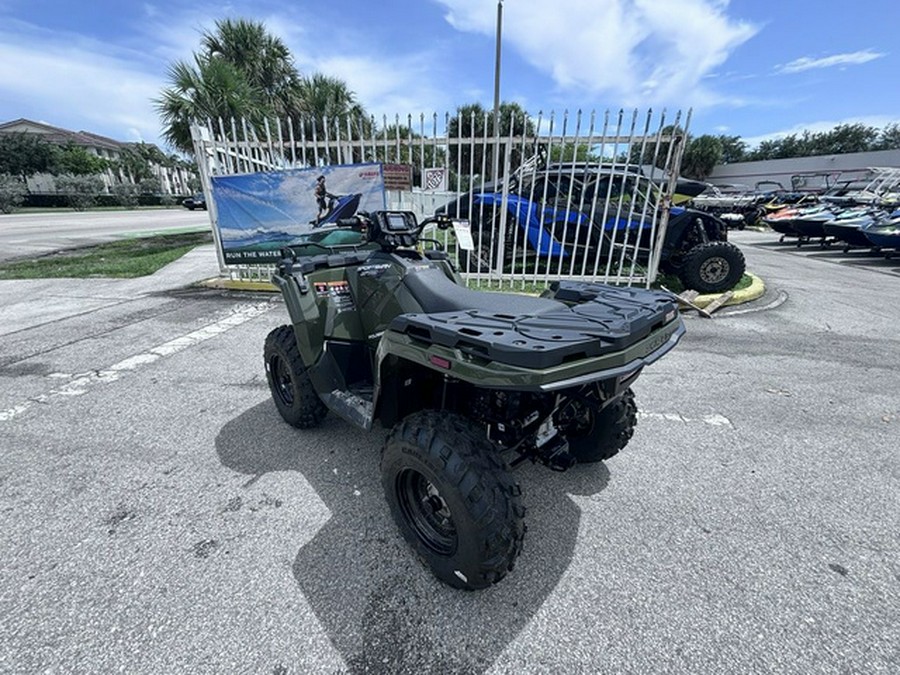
(522, 421)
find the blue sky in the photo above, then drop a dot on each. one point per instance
(753, 68)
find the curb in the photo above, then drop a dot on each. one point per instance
(754, 291)
(237, 285)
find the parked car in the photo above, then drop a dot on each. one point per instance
(198, 201)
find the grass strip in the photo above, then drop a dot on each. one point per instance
(123, 259)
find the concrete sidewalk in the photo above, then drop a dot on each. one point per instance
(25, 303)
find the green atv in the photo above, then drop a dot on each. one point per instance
(469, 383)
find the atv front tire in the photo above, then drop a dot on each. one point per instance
(453, 498)
(289, 382)
(595, 435)
(713, 267)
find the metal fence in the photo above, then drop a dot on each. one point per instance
(581, 196)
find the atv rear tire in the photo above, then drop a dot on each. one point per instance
(289, 382)
(594, 435)
(453, 498)
(713, 267)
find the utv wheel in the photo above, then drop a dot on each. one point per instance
(597, 435)
(453, 498)
(289, 382)
(713, 267)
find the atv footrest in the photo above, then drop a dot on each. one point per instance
(353, 408)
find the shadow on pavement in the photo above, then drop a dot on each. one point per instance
(382, 609)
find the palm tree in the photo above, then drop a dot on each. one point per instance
(263, 59)
(326, 100)
(208, 89)
(472, 124)
(243, 72)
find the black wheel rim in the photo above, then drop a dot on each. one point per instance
(714, 270)
(425, 510)
(282, 381)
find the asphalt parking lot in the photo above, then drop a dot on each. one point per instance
(156, 515)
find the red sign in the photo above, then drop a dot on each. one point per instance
(397, 176)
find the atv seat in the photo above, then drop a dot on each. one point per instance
(435, 292)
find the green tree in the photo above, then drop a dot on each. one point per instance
(888, 138)
(12, 192)
(328, 100)
(572, 152)
(243, 72)
(700, 156)
(24, 155)
(262, 58)
(472, 124)
(132, 164)
(81, 191)
(208, 89)
(150, 186)
(126, 194)
(78, 161)
(657, 154)
(733, 149)
(845, 138)
(414, 149)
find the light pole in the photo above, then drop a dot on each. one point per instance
(497, 91)
(497, 64)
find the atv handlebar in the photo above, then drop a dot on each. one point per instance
(393, 229)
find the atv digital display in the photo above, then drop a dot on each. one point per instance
(396, 222)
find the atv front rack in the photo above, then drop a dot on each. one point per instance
(605, 320)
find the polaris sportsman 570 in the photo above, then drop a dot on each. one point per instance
(468, 383)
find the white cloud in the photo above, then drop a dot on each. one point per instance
(847, 59)
(78, 83)
(878, 121)
(387, 86)
(640, 52)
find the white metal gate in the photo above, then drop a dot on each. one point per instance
(576, 196)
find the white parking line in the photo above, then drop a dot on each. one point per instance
(712, 420)
(84, 381)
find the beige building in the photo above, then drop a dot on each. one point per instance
(173, 180)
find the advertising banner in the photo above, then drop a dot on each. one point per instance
(259, 213)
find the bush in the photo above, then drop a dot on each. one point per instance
(81, 191)
(12, 192)
(150, 186)
(126, 194)
(61, 200)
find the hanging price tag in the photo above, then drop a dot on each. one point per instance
(463, 235)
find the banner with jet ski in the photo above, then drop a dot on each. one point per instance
(259, 213)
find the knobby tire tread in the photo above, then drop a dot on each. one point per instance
(470, 463)
(308, 410)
